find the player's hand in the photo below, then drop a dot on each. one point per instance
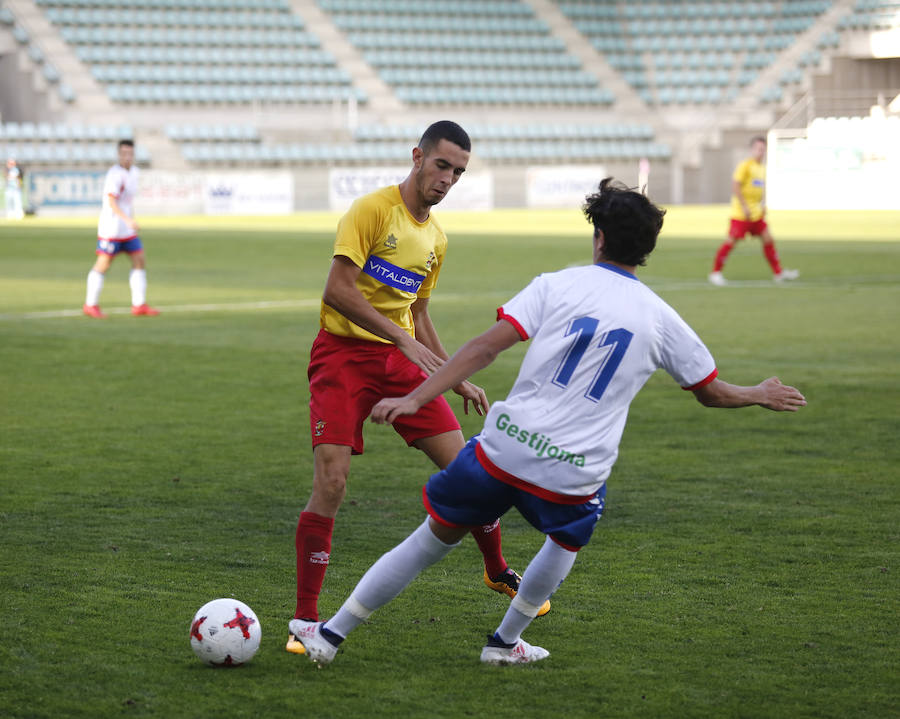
(780, 397)
(474, 394)
(132, 224)
(421, 356)
(387, 410)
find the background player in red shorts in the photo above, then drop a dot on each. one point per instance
(377, 339)
(748, 212)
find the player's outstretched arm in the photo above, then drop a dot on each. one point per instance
(474, 355)
(769, 393)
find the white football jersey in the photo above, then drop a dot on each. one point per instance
(121, 184)
(597, 333)
(13, 175)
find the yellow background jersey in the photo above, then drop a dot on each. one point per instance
(752, 178)
(400, 260)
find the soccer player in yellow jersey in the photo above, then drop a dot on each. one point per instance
(377, 339)
(748, 212)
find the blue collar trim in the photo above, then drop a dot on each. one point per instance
(619, 270)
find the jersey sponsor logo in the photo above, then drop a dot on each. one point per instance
(391, 275)
(541, 444)
(391, 242)
(220, 191)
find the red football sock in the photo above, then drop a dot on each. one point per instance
(313, 544)
(488, 540)
(772, 256)
(722, 255)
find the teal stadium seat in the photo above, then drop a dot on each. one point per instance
(511, 51)
(712, 33)
(180, 42)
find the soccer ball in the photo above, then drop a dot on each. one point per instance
(225, 633)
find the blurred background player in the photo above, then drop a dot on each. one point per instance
(117, 231)
(597, 334)
(748, 212)
(377, 338)
(13, 194)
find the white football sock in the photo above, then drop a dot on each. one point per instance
(94, 286)
(388, 577)
(137, 280)
(544, 574)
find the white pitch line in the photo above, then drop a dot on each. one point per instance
(655, 284)
(224, 307)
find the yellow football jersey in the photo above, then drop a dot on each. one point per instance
(751, 175)
(400, 259)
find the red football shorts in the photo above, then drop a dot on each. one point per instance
(739, 228)
(348, 376)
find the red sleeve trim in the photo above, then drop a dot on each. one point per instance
(702, 383)
(501, 315)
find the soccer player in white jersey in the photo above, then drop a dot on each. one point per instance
(13, 194)
(117, 231)
(597, 334)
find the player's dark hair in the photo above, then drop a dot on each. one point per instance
(444, 130)
(125, 143)
(757, 138)
(630, 223)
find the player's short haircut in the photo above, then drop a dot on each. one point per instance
(757, 138)
(630, 223)
(125, 143)
(444, 130)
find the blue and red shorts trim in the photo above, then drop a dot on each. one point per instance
(114, 247)
(466, 494)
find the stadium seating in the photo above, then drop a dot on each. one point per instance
(49, 71)
(486, 57)
(200, 51)
(63, 144)
(379, 144)
(698, 52)
(430, 58)
(872, 15)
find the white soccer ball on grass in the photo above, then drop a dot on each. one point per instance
(225, 633)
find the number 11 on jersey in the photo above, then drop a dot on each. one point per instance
(584, 329)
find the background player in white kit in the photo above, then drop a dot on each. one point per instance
(117, 231)
(598, 333)
(13, 193)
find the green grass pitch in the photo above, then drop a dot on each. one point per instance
(746, 566)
